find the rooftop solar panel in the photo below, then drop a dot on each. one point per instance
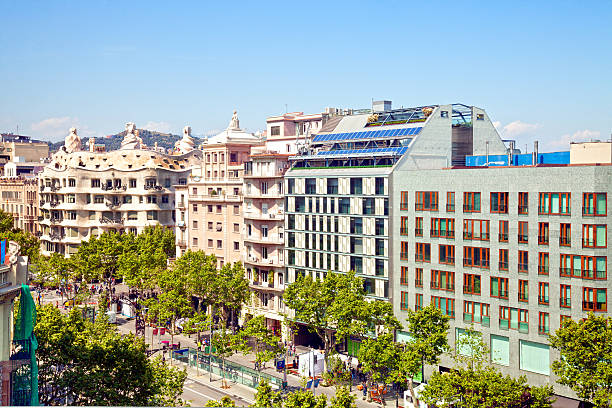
(418, 130)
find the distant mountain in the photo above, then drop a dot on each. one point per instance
(113, 142)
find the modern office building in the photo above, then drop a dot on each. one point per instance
(209, 206)
(19, 197)
(511, 250)
(263, 235)
(340, 188)
(85, 193)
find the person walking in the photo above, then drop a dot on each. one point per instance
(364, 389)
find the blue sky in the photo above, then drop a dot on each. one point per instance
(542, 70)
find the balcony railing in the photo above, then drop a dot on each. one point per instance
(565, 302)
(523, 267)
(439, 286)
(523, 239)
(484, 320)
(543, 300)
(565, 241)
(503, 266)
(543, 329)
(449, 260)
(543, 239)
(450, 207)
(418, 232)
(483, 263)
(404, 281)
(483, 236)
(470, 208)
(404, 256)
(471, 290)
(523, 209)
(594, 306)
(543, 269)
(503, 237)
(418, 283)
(422, 258)
(442, 234)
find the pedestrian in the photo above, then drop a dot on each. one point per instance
(364, 389)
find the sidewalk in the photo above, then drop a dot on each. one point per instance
(239, 390)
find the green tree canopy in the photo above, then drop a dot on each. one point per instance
(343, 399)
(304, 399)
(586, 358)
(335, 307)
(266, 396)
(267, 345)
(84, 363)
(225, 401)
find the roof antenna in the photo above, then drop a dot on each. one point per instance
(286, 109)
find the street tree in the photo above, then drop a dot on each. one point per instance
(267, 344)
(382, 359)
(266, 396)
(225, 401)
(7, 222)
(304, 399)
(343, 399)
(226, 344)
(428, 329)
(232, 291)
(585, 363)
(28, 243)
(334, 308)
(473, 382)
(98, 257)
(55, 271)
(85, 363)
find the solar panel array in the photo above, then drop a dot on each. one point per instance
(368, 135)
(385, 150)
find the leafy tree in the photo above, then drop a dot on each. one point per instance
(55, 271)
(227, 344)
(267, 345)
(84, 363)
(304, 399)
(28, 243)
(266, 397)
(586, 358)
(232, 291)
(343, 399)
(225, 401)
(474, 383)
(97, 258)
(7, 222)
(428, 330)
(334, 308)
(173, 301)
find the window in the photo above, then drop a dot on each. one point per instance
(544, 323)
(442, 228)
(471, 284)
(210, 225)
(404, 225)
(565, 235)
(404, 301)
(426, 201)
(586, 267)
(418, 280)
(332, 186)
(594, 204)
(344, 205)
(219, 244)
(195, 224)
(534, 357)
(523, 263)
(503, 259)
(471, 202)
(499, 203)
(151, 215)
(523, 232)
(543, 263)
(95, 183)
(132, 215)
(236, 210)
(218, 209)
(475, 312)
(594, 300)
(237, 246)
(99, 199)
(418, 301)
(446, 254)
(422, 252)
(404, 201)
(311, 186)
(523, 290)
(513, 318)
(503, 231)
(523, 203)
(442, 280)
(404, 251)
(418, 227)
(195, 241)
(594, 236)
(195, 208)
(500, 350)
(219, 227)
(263, 187)
(543, 233)
(499, 287)
(450, 201)
(275, 131)
(476, 230)
(554, 203)
(404, 276)
(565, 299)
(543, 293)
(476, 257)
(446, 305)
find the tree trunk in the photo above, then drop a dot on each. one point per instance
(412, 394)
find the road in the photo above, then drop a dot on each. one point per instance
(199, 393)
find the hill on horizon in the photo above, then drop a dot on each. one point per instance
(113, 142)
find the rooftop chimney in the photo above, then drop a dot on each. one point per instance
(381, 106)
(535, 153)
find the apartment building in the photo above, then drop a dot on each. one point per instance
(19, 197)
(510, 250)
(209, 206)
(283, 131)
(339, 190)
(85, 193)
(263, 236)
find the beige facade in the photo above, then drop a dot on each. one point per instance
(22, 148)
(209, 207)
(263, 254)
(283, 130)
(591, 152)
(84, 194)
(19, 196)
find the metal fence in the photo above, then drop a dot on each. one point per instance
(234, 372)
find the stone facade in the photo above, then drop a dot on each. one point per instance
(19, 197)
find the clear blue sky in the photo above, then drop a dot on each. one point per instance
(541, 69)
